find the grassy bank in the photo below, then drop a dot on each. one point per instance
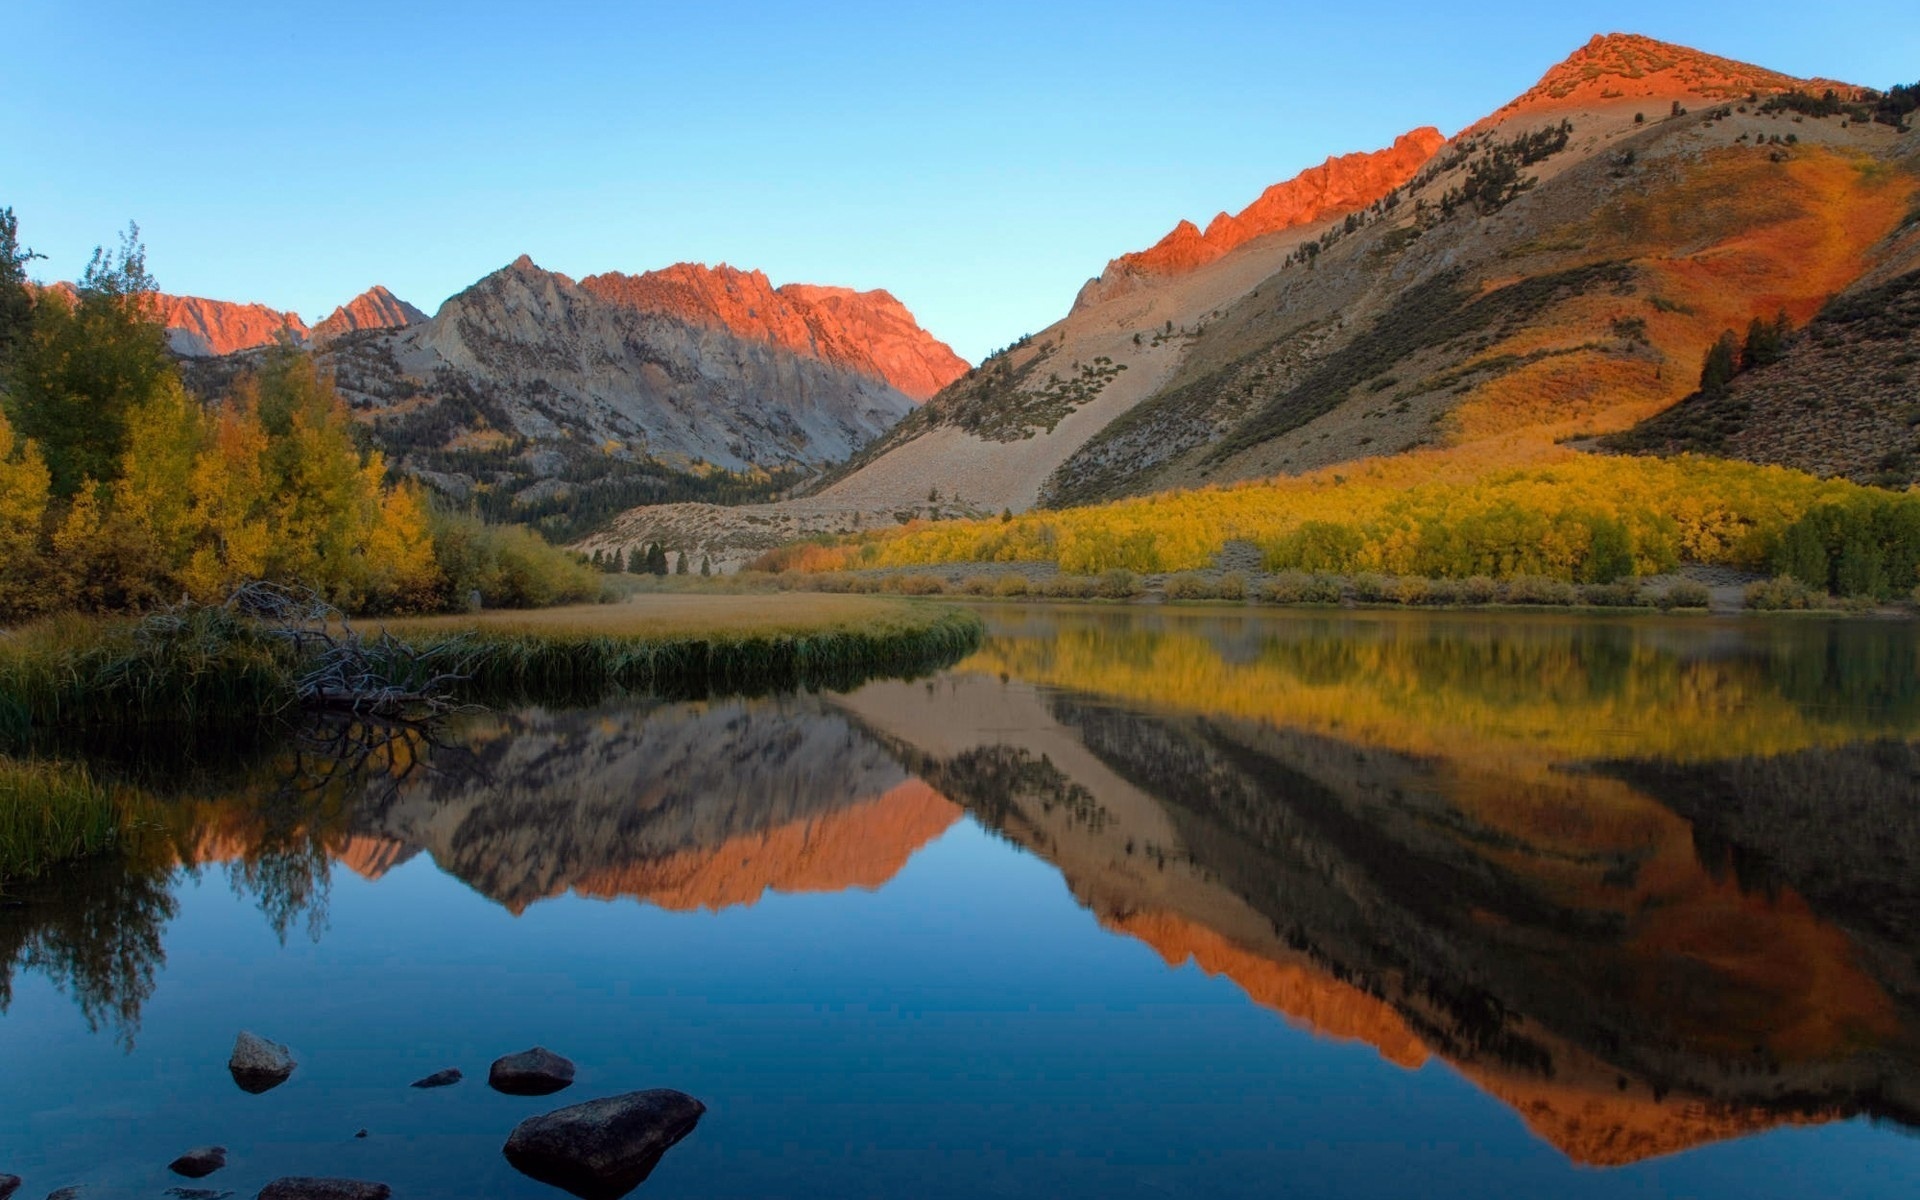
(50, 813)
(204, 667)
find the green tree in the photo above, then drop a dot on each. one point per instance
(1766, 341)
(656, 559)
(16, 302)
(706, 564)
(680, 564)
(88, 363)
(1721, 364)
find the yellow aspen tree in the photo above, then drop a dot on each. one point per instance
(24, 486)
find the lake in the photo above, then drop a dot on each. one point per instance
(1132, 902)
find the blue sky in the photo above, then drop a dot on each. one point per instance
(979, 161)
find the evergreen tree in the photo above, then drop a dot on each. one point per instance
(1721, 364)
(706, 564)
(656, 559)
(1766, 341)
(680, 563)
(16, 302)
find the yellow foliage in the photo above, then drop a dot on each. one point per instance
(1458, 522)
(24, 487)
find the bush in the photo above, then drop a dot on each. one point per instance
(1411, 589)
(1070, 587)
(1118, 585)
(916, 585)
(1369, 588)
(509, 566)
(1232, 586)
(1190, 586)
(1444, 591)
(1686, 594)
(1479, 589)
(1536, 589)
(1779, 594)
(1010, 585)
(977, 585)
(1611, 595)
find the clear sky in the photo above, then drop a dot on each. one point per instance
(980, 160)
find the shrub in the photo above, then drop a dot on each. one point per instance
(1190, 586)
(1536, 589)
(1070, 587)
(1369, 588)
(1010, 585)
(1118, 585)
(1686, 594)
(1479, 589)
(1412, 589)
(916, 585)
(1779, 594)
(977, 585)
(508, 565)
(1610, 595)
(1232, 586)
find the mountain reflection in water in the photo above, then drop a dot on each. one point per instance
(1650, 884)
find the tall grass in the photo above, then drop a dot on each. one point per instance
(50, 813)
(203, 668)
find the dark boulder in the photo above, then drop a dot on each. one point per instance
(440, 1079)
(604, 1148)
(259, 1065)
(9, 1184)
(300, 1187)
(199, 1162)
(535, 1072)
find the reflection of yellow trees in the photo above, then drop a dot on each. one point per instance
(1447, 692)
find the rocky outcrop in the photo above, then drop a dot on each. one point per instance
(868, 333)
(535, 1072)
(440, 1079)
(603, 1148)
(1335, 187)
(259, 1065)
(375, 308)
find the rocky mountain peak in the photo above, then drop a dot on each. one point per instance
(1337, 186)
(375, 308)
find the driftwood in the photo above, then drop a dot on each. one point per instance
(345, 670)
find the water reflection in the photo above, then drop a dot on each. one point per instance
(1651, 885)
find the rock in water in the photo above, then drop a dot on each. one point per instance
(438, 1079)
(199, 1162)
(535, 1072)
(300, 1187)
(604, 1148)
(259, 1065)
(9, 1184)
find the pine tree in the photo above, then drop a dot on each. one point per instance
(706, 564)
(16, 302)
(1721, 364)
(680, 563)
(656, 559)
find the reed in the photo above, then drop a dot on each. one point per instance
(51, 813)
(200, 668)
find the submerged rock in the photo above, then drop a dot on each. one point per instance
(604, 1148)
(301, 1187)
(65, 1193)
(185, 1193)
(440, 1079)
(199, 1162)
(259, 1065)
(535, 1072)
(9, 1184)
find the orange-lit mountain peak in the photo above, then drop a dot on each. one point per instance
(869, 332)
(1617, 67)
(1337, 186)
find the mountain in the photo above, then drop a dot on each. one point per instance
(375, 308)
(557, 402)
(201, 328)
(1552, 273)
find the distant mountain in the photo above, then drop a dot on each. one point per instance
(557, 402)
(202, 328)
(375, 308)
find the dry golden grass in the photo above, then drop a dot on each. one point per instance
(687, 615)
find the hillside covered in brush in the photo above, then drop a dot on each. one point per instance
(1448, 307)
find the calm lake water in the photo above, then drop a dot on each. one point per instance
(1131, 903)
